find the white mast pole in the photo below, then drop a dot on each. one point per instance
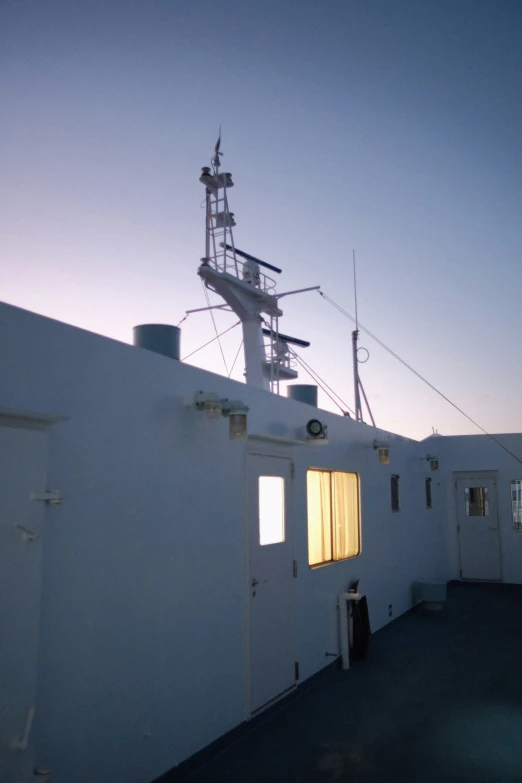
(355, 336)
(254, 352)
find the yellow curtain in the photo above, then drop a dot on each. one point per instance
(345, 514)
(319, 517)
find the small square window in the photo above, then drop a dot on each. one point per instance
(477, 504)
(394, 485)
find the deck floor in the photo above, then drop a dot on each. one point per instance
(439, 698)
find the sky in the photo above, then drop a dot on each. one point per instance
(389, 128)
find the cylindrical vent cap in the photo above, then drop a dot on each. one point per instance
(303, 393)
(160, 338)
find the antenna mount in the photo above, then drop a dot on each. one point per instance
(215, 160)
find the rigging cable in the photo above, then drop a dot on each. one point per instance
(322, 384)
(215, 327)
(210, 341)
(235, 360)
(409, 367)
(317, 378)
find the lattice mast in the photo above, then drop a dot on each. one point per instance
(237, 277)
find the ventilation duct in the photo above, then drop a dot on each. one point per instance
(160, 338)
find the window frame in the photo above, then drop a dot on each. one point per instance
(473, 505)
(429, 494)
(517, 527)
(395, 492)
(334, 560)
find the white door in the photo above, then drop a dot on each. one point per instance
(271, 582)
(479, 541)
(22, 471)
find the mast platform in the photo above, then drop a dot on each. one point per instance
(237, 293)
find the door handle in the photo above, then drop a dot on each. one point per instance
(258, 582)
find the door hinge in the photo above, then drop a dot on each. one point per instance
(296, 666)
(294, 569)
(27, 535)
(292, 470)
(53, 497)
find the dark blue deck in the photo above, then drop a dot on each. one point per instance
(438, 699)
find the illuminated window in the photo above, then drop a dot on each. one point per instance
(516, 504)
(333, 516)
(394, 485)
(271, 510)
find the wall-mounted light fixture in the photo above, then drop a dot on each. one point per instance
(208, 402)
(434, 461)
(215, 407)
(383, 449)
(316, 429)
(237, 418)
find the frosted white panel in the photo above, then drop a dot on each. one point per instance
(271, 510)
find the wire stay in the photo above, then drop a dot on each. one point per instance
(321, 383)
(211, 309)
(355, 290)
(210, 341)
(235, 360)
(421, 377)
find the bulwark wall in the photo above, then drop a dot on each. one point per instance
(142, 658)
(481, 453)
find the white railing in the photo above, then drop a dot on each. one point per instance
(225, 261)
(219, 233)
(279, 356)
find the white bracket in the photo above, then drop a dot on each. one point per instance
(22, 743)
(304, 436)
(52, 497)
(27, 535)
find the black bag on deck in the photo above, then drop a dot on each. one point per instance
(361, 626)
(361, 629)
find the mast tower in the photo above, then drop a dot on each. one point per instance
(240, 279)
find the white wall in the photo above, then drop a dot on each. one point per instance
(23, 465)
(143, 639)
(397, 547)
(481, 453)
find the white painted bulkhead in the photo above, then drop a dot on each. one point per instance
(480, 455)
(23, 469)
(144, 638)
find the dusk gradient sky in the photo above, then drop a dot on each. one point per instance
(391, 127)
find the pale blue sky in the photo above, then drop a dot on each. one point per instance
(390, 127)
